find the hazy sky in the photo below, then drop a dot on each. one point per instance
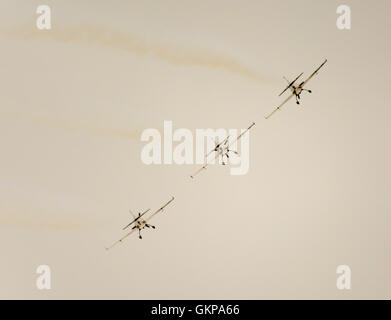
(74, 101)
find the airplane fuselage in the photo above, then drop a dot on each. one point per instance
(297, 90)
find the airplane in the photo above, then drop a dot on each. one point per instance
(136, 218)
(296, 90)
(222, 149)
(140, 224)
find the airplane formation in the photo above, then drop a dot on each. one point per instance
(221, 151)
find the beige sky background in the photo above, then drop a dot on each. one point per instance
(74, 101)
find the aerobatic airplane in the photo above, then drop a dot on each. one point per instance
(296, 90)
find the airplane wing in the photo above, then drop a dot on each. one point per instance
(198, 171)
(314, 73)
(210, 152)
(136, 219)
(278, 108)
(242, 134)
(120, 240)
(159, 210)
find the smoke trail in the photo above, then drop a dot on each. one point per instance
(70, 125)
(175, 55)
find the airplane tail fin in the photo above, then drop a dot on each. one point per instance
(290, 83)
